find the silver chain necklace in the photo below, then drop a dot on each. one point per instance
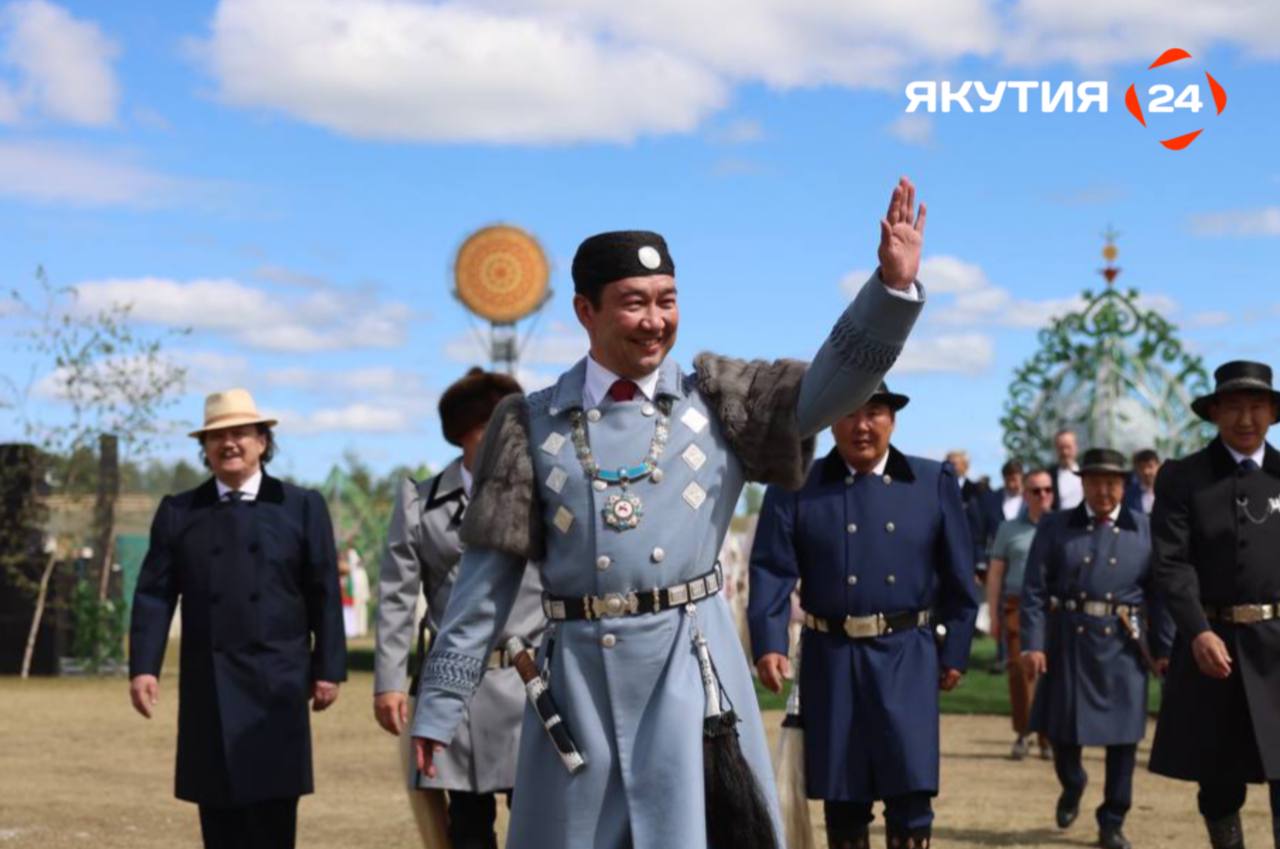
(622, 510)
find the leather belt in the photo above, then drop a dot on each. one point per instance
(1244, 614)
(1093, 607)
(865, 627)
(612, 605)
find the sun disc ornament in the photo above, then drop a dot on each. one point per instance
(501, 274)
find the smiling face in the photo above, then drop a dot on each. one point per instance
(234, 453)
(1243, 419)
(862, 437)
(633, 326)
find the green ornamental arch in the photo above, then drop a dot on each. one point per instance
(1114, 373)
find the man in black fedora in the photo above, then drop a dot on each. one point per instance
(1216, 528)
(1089, 631)
(879, 543)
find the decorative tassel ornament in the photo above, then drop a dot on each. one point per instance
(736, 813)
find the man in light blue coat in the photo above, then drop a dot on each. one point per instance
(621, 480)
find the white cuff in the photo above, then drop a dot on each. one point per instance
(911, 293)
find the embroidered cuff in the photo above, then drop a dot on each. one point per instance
(859, 349)
(452, 672)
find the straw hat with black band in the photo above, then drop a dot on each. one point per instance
(230, 408)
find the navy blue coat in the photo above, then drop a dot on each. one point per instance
(986, 512)
(886, 544)
(1095, 690)
(261, 620)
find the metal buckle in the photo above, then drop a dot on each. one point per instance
(677, 596)
(1249, 614)
(861, 627)
(554, 609)
(614, 604)
(697, 589)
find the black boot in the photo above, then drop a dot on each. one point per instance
(1111, 837)
(856, 839)
(907, 838)
(1225, 832)
(1067, 810)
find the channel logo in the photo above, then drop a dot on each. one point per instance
(1163, 98)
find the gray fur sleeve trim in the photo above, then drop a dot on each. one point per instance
(756, 405)
(456, 673)
(505, 512)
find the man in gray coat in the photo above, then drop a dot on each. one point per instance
(422, 555)
(621, 480)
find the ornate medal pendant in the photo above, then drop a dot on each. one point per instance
(622, 512)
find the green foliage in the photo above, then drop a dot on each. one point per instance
(99, 627)
(1115, 374)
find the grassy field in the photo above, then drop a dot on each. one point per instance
(81, 769)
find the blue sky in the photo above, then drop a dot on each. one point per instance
(291, 179)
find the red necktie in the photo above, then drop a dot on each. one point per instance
(622, 390)
(1103, 520)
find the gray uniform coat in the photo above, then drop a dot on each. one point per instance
(629, 688)
(422, 555)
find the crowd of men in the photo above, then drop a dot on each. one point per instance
(585, 520)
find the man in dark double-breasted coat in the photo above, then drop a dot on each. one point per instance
(252, 561)
(1086, 605)
(880, 544)
(1216, 525)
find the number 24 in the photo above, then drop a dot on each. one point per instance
(1162, 94)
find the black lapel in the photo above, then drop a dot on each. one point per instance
(833, 467)
(435, 499)
(1079, 517)
(1125, 520)
(270, 490)
(205, 495)
(898, 468)
(1271, 461)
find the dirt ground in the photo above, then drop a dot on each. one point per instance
(78, 768)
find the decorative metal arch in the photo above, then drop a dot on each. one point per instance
(1114, 373)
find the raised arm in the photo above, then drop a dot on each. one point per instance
(868, 337)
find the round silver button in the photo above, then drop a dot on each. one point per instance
(888, 479)
(1107, 596)
(1088, 558)
(888, 526)
(852, 527)
(891, 579)
(1107, 630)
(593, 415)
(1115, 530)
(1113, 561)
(602, 562)
(852, 580)
(1079, 629)
(658, 554)
(848, 480)
(608, 641)
(648, 409)
(656, 476)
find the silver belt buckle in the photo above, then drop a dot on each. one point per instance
(614, 604)
(1248, 614)
(861, 627)
(554, 609)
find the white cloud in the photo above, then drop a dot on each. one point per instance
(52, 173)
(400, 70)
(742, 131)
(915, 129)
(61, 66)
(1095, 33)
(328, 319)
(1209, 318)
(556, 345)
(539, 71)
(1240, 222)
(965, 353)
(374, 380)
(352, 418)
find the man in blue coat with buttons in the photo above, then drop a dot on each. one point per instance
(1084, 593)
(880, 544)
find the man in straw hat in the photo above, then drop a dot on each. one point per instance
(253, 563)
(422, 555)
(621, 480)
(880, 544)
(1090, 628)
(1216, 524)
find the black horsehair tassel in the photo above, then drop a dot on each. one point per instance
(736, 813)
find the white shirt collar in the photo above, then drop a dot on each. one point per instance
(877, 469)
(598, 380)
(249, 487)
(1113, 516)
(1256, 456)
